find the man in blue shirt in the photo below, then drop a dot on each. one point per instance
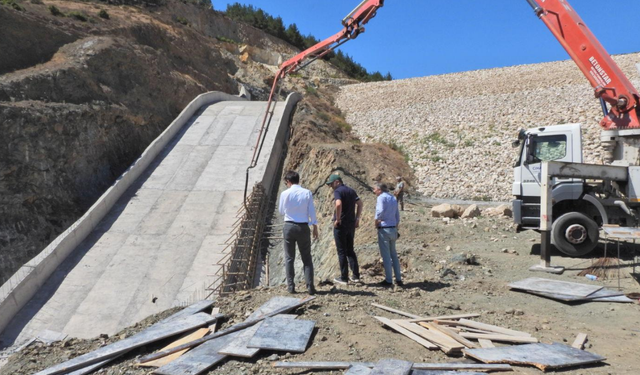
(296, 205)
(346, 219)
(387, 219)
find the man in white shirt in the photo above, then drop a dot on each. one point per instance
(296, 205)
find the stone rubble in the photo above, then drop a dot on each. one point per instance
(456, 129)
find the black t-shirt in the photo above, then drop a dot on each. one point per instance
(348, 196)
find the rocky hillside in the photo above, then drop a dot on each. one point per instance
(85, 86)
(456, 129)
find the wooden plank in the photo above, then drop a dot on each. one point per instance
(163, 361)
(579, 341)
(190, 310)
(444, 342)
(461, 367)
(214, 326)
(486, 343)
(452, 334)
(198, 360)
(232, 329)
(492, 328)
(358, 370)
(396, 311)
(537, 284)
(444, 317)
(273, 304)
(500, 338)
(416, 366)
(152, 334)
(391, 367)
(321, 365)
(409, 334)
(206, 355)
(543, 356)
(282, 334)
(238, 347)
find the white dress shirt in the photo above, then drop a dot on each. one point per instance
(296, 204)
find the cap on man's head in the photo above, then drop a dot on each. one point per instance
(333, 178)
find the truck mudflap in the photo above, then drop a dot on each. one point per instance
(516, 206)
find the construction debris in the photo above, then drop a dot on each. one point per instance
(327, 366)
(543, 356)
(568, 291)
(452, 334)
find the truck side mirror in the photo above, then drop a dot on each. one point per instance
(530, 151)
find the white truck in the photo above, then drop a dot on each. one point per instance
(567, 201)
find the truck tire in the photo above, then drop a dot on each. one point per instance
(575, 234)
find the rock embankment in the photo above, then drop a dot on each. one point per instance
(456, 129)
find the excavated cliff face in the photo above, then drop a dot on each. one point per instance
(79, 101)
(457, 128)
(321, 145)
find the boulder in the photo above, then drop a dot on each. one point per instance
(471, 212)
(458, 209)
(443, 210)
(501, 210)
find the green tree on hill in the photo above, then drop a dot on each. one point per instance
(258, 18)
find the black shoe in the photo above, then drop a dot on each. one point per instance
(311, 291)
(384, 283)
(399, 283)
(291, 289)
(340, 281)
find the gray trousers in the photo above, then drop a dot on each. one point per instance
(300, 234)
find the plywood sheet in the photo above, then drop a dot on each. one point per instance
(283, 334)
(358, 370)
(273, 304)
(600, 295)
(238, 347)
(543, 356)
(199, 359)
(392, 367)
(165, 360)
(152, 334)
(537, 284)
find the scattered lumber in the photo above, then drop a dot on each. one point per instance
(579, 341)
(152, 334)
(383, 307)
(543, 356)
(453, 335)
(389, 323)
(444, 317)
(500, 338)
(486, 343)
(163, 361)
(444, 342)
(492, 328)
(232, 329)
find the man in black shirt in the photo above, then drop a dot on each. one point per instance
(345, 221)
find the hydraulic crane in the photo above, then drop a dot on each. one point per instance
(555, 193)
(352, 27)
(610, 84)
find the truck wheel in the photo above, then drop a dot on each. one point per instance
(575, 234)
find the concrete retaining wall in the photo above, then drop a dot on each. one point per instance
(21, 287)
(282, 138)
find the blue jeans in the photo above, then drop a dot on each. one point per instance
(387, 242)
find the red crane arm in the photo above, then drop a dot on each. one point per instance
(609, 82)
(352, 27)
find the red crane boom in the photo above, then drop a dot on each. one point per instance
(353, 25)
(610, 83)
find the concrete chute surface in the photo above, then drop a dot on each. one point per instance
(156, 245)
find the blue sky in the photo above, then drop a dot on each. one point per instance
(415, 38)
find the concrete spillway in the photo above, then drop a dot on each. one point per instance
(157, 245)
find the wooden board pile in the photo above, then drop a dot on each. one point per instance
(453, 333)
(200, 348)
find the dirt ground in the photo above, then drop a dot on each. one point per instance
(346, 330)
